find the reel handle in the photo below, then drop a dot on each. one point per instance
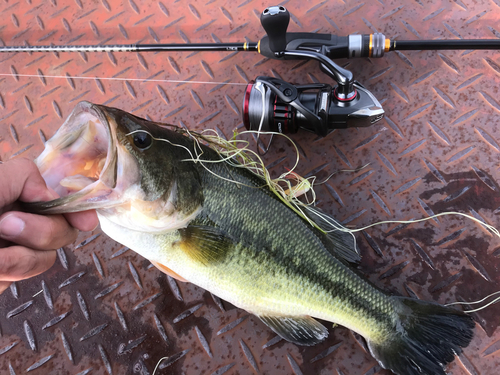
(275, 20)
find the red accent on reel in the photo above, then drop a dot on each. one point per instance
(246, 101)
(346, 99)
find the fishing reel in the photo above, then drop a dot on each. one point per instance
(273, 105)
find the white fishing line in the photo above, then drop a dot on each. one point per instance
(123, 79)
(160, 139)
(193, 159)
(158, 364)
(230, 150)
(474, 302)
(288, 196)
(487, 226)
(483, 307)
(343, 170)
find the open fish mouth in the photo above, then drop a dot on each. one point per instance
(96, 160)
(80, 162)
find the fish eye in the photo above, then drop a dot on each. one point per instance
(142, 140)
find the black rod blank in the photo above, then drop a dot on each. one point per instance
(137, 47)
(454, 44)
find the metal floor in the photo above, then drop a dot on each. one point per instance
(105, 310)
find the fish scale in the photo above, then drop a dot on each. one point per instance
(287, 248)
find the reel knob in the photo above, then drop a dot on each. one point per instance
(275, 21)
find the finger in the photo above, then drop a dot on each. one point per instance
(4, 285)
(19, 263)
(85, 221)
(37, 231)
(23, 181)
(29, 186)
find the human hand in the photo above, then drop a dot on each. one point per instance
(28, 241)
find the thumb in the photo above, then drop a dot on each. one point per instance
(21, 180)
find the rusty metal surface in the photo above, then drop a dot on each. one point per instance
(102, 309)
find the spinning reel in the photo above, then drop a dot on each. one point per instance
(271, 104)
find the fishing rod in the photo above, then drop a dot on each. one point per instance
(271, 104)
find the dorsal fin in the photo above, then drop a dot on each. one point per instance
(206, 244)
(301, 330)
(344, 244)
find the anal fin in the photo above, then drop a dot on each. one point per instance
(168, 271)
(301, 330)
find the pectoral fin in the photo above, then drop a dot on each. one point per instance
(205, 244)
(168, 271)
(301, 330)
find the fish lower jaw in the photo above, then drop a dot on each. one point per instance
(128, 217)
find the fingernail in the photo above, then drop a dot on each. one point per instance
(11, 226)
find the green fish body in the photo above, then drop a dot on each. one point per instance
(218, 225)
(248, 248)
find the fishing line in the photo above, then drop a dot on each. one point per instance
(256, 167)
(231, 151)
(158, 364)
(160, 139)
(343, 170)
(473, 302)
(287, 196)
(122, 79)
(476, 302)
(483, 307)
(197, 160)
(487, 226)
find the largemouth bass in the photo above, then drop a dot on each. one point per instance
(216, 224)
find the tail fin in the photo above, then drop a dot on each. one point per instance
(428, 336)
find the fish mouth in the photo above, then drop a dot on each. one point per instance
(80, 162)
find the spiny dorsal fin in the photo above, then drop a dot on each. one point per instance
(301, 330)
(344, 244)
(206, 244)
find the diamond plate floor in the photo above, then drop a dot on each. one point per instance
(102, 309)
